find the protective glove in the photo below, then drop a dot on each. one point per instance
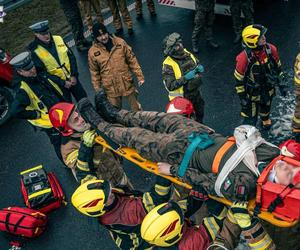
(199, 68)
(240, 214)
(88, 138)
(190, 75)
(198, 193)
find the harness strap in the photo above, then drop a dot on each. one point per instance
(280, 197)
(221, 152)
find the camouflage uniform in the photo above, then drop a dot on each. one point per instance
(236, 6)
(296, 119)
(117, 6)
(139, 6)
(204, 19)
(87, 8)
(162, 137)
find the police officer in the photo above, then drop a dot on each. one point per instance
(236, 6)
(181, 73)
(36, 94)
(257, 72)
(139, 8)
(51, 54)
(204, 19)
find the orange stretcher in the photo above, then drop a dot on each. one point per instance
(132, 155)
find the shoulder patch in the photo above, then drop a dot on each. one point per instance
(97, 53)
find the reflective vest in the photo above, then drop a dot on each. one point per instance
(37, 105)
(62, 69)
(177, 71)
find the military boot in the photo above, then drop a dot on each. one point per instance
(105, 108)
(212, 44)
(88, 112)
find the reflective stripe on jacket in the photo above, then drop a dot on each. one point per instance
(178, 74)
(62, 68)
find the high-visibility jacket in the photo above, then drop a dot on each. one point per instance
(37, 105)
(60, 68)
(178, 74)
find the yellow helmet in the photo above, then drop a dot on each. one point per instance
(251, 35)
(90, 197)
(162, 226)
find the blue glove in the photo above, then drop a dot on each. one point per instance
(199, 68)
(189, 75)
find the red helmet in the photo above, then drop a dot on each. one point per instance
(180, 105)
(59, 115)
(290, 148)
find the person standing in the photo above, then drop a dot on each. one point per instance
(204, 20)
(139, 8)
(111, 63)
(87, 8)
(181, 73)
(236, 6)
(296, 118)
(51, 54)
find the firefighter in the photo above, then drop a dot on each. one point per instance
(139, 8)
(111, 63)
(181, 73)
(183, 147)
(51, 54)
(80, 153)
(119, 210)
(296, 118)
(36, 94)
(257, 72)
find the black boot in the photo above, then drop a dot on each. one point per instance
(88, 112)
(105, 108)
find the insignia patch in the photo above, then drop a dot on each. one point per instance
(227, 184)
(97, 53)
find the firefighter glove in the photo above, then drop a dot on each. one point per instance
(88, 138)
(190, 75)
(240, 213)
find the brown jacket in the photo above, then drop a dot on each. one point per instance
(296, 118)
(112, 70)
(105, 162)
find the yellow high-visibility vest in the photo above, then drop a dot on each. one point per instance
(62, 69)
(37, 105)
(171, 62)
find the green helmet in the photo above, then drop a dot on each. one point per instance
(170, 41)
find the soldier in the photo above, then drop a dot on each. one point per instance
(139, 8)
(72, 13)
(204, 19)
(117, 6)
(111, 61)
(36, 94)
(87, 8)
(183, 147)
(51, 54)
(296, 118)
(236, 6)
(86, 159)
(257, 72)
(181, 73)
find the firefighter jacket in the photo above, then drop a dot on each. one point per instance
(55, 58)
(112, 70)
(174, 68)
(35, 96)
(257, 73)
(296, 118)
(124, 217)
(89, 162)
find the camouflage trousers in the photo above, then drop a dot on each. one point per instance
(117, 6)
(236, 6)
(87, 8)
(139, 6)
(159, 137)
(204, 19)
(72, 13)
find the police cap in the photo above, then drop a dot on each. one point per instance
(22, 61)
(40, 27)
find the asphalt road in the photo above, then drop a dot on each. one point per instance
(22, 148)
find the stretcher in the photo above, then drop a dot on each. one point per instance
(132, 155)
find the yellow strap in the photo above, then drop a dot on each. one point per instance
(48, 190)
(31, 169)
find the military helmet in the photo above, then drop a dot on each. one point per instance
(170, 41)
(162, 226)
(91, 197)
(251, 35)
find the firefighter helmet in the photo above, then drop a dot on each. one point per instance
(90, 197)
(162, 226)
(59, 115)
(251, 35)
(181, 106)
(290, 148)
